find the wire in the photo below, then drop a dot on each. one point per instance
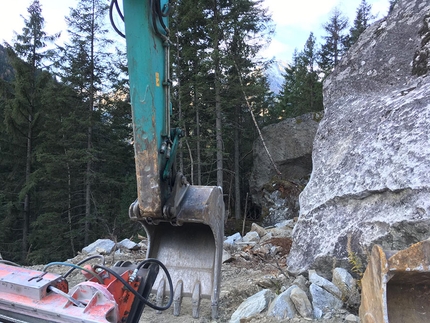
(112, 3)
(131, 289)
(119, 10)
(84, 261)
(74, 266)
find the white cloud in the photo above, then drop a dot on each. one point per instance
(296, 19)
(302, 13)
(277, 49)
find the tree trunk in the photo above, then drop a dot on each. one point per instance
(69, 208)
(89, 136)
(218, 112)
(237, 211)
(198, 148)
(26, 222)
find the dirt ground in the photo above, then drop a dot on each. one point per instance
(240, 279)
(238, 283)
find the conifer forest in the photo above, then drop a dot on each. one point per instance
(66, 147)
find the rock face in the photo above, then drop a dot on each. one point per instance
(290, 145)
(371, 157)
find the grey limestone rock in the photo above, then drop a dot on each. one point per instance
(128, 244)
(344, 281)
(371, 157)
(323, 302)
(252, 305)
(316, 279)
(290, 145)
(301, 302)
(100, 246)
(282, 306)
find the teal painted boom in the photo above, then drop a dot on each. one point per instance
(147, 53)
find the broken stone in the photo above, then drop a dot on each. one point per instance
(128, 244)
(301, 302)
(226, 256)
(100, 246)
(253, 305)
(283, 232)
(251, 237)
(266, 237)
(282, 306)
(230, 241)
(351, 318)
(274, 250)
(344, 281)
(303, 283)
(324, 283)
(323, 301)
(260, 230)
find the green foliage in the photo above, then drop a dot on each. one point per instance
(302, 89)
(44, 146)
(361, 22)
(216, 42)
(354, 260)
(335, 42)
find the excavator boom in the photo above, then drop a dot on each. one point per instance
(184, 223)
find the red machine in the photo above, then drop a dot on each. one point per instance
(110, 295)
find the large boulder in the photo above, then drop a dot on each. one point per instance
(371, 158)
(290, 145)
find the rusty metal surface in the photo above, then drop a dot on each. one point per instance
(192, 249)
(396, 286)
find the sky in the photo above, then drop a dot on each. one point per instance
(294, 20)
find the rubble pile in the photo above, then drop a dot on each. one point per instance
(308, 298)
(256, 285)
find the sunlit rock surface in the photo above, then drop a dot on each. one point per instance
(371, 157)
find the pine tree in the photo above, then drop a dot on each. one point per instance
(23, 112)
(247, 31)
(217, 42)
(191, 72)
(302, 88)
(335, 43)
(361, 22)
(85, 70)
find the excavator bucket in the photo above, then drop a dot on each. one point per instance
(184, 223)
(396, 285)
(190, 248)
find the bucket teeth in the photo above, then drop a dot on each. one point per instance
(214, 307)
(190, 248)
(160, 293)
(177, 298)
(195, 298)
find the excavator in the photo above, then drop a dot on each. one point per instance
(184, 223)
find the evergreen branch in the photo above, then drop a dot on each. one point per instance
(255, 121)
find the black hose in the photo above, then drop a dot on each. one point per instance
(160, 15)
(118, 9)
(84, 261)
(141, 298)
(112, 3)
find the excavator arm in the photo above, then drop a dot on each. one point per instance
(184, 223)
